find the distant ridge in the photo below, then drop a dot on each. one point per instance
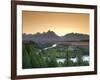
(76, 37)
(51, 36)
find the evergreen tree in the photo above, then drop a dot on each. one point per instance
(26, 63)
(52, 62)
(68, 56)
(79, 57)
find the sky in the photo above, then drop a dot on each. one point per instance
(60, 23)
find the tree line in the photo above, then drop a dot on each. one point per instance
(32, 57)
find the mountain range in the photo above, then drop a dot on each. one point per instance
(51, 36)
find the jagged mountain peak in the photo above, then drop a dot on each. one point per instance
(51, 36)
(45, 34)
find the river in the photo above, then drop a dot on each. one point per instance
(85, 58)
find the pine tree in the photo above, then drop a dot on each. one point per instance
(79, 57)
(26, 63)
(52, 62)
(68, 56)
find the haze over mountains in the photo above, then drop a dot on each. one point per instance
(51, 36)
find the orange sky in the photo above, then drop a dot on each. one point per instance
(60, 23)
